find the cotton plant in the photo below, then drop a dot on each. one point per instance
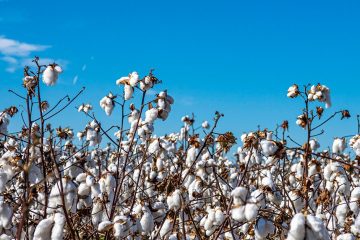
(128, 181)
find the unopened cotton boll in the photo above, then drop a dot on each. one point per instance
(51, 74)
(339, 145)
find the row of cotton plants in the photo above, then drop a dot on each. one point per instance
(126, 182)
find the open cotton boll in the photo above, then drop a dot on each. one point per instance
(293, 91)
(105, 226)
(316, 228)
(81, 177)
(345, 236)
(151, 115)
(4, 122)
(57, 232)
(121, 226)
(238, 213)
(6, 214)
(205, 125)
(107, 104)
(297, 227)
(341, 211)
(147, 221)
(51, 74)
(5, 237)
(128, 91)
(239, 194)
(314, 145)
(339, 145)
(191, 155)
(174, 200)
(166, 228)
(269, 148)
(251, 211)
(354, 144)
(43, 229)
(134, 79)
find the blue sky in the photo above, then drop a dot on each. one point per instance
(238, 57)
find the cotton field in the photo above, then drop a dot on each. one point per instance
(126, 182)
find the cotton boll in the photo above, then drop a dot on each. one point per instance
(58, 228)
(219, 216)
(238, 213)
(251, 211)
(239, 194)
(345, 236)
(107, 104)
(316, 228)
(90, 180)
(43, 229)
(147, 221)
(105, 226)
(5, 237)
(191, 155)
(134, 79)
(339, 145)
(205, 125)
(4, 122)
(354, 144)
(128, 91)
(121, 226)
(297, 227)
(174, 200)
(151, 115)
(96, 213)
(84, 189)
(293, 91)
(314, 144)
(166, 228)
(6, 214)
(341, 211)
(81, 177)
(269, 148)
(51, 74)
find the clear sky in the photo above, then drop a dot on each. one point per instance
(238, 57)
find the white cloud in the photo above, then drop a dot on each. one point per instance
(16, 54)
(11, 47)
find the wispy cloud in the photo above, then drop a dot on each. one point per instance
(16, 53)
(11, 47)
